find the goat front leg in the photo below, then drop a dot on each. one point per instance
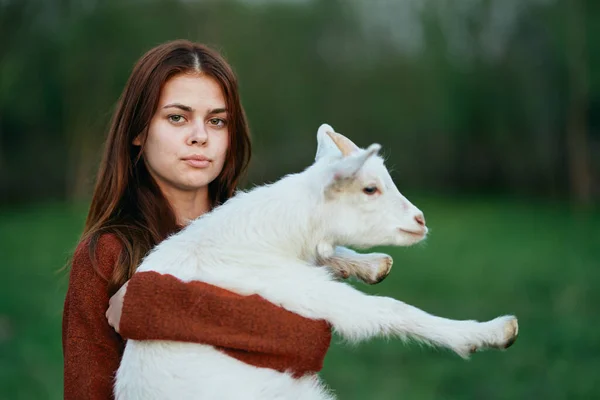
(370, 268)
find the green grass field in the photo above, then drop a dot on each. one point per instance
(484, 258)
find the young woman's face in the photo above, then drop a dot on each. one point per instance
(188, 134)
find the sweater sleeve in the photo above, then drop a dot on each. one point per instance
(162, 307)
(92, 350)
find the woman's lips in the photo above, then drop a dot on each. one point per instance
(197, 163)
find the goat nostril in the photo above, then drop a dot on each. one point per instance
(420, 219)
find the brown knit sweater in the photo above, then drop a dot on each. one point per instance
(162, 307)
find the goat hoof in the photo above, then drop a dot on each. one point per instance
(383, 270)
(507, 329)
(511, 331)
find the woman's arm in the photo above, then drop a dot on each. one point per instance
(162, 307)
(92, 350)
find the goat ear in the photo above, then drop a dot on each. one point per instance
(325, 145)
(332, 143)
(347, 168)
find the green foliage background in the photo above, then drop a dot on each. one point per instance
(489, 115)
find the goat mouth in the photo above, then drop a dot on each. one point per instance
(418, 234)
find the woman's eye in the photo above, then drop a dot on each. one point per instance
(176, 119)
(370, 190)
(218, 122)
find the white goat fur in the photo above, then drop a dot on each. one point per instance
(266, 241)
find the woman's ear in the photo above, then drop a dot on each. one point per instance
(137, 141)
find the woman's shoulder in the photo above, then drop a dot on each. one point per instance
(103, 254)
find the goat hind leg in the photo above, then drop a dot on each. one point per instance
(462, 336)
(358, 316)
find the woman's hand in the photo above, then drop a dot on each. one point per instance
(115, 307)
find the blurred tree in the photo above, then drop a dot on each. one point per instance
(577, 121)
(464, 96)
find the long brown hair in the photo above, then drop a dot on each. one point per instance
(127, 201)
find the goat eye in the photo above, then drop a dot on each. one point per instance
(370, 190)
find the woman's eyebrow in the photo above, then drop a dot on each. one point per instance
(180, 106)
(216, 111)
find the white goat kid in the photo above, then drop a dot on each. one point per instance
(267, 241)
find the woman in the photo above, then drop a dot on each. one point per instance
(176, 148)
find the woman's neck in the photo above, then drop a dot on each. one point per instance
(188, 205)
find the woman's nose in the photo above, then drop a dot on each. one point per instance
(198, 136)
